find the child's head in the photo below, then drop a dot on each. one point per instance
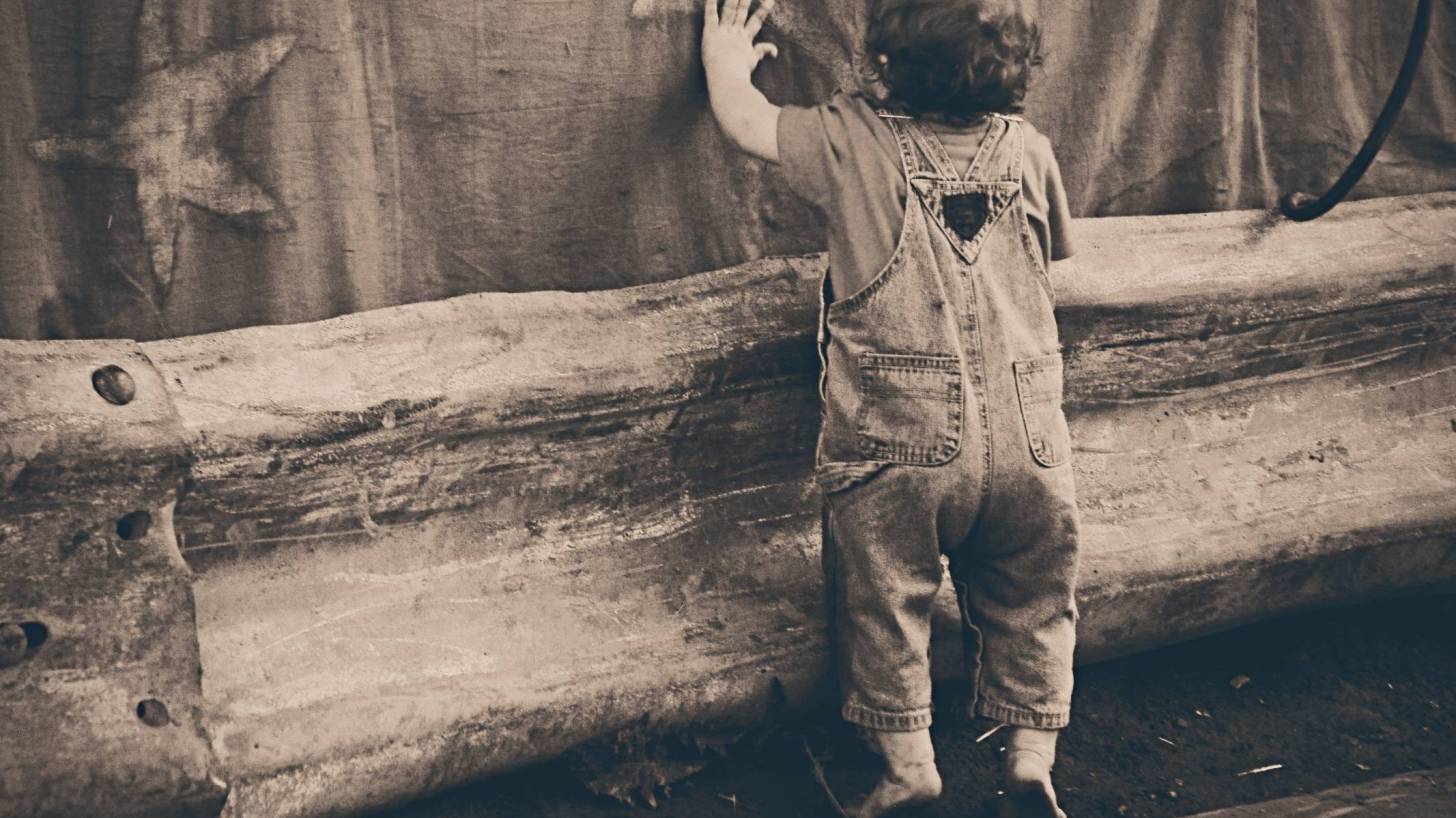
(952, 59)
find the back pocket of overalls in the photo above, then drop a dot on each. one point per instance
(1039, 390)
(837, 477)
(910, 409)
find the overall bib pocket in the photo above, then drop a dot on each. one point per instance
(1039, 391)
(910, 408)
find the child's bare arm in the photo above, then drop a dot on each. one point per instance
(729, 57)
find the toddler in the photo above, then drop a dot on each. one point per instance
(942, 425)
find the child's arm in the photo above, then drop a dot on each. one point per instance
(729, 57)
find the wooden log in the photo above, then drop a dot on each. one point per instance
(99, 675)
(441, 540)
(535, 518)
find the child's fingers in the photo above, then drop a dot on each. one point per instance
(755, 22)
(710, 15)
(762, 50)
(740, 12)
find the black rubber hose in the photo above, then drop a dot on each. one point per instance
(1302, 207)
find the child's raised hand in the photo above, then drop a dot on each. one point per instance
(728, 46)
(729, 57)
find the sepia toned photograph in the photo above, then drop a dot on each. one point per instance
(727, 408)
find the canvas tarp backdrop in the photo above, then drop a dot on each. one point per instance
(377, 152)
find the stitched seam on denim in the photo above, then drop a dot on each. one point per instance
(970, 249)
(1022, 717)
(967, 249)
(877, 284)
(1028, 241)
(1039, 363)
(942, 369)
(1033, 252)
(975, 363)
(932, 148)
(911, 362)
(1018, 146)
(905, 458)
(1053, 713)
(854, 300)
(910, 160)
(947, 395)
(867, 293)
(1035, 437)
(909, 712)
(1040, 265)
(973, 172)
(1001, 163)
(875, 719)
(911, 454)
(949, 390)
(834, 481)
(963, 602)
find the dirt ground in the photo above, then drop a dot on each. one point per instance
(1334, 697)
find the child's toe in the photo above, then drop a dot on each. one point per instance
(1035, 800)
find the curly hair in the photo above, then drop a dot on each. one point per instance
(951, 59)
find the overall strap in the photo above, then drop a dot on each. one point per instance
(1018, 146)
(916, 157)
(934, 150)
(923, 154)
(995, 132)
(1001, 153)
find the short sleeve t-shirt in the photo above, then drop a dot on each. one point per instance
(842, 157)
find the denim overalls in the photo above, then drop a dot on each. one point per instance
(943, 433)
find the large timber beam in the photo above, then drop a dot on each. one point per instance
(441, 540)
(99, 676)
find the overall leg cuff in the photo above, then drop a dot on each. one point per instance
(1023, 717)
(898, 722)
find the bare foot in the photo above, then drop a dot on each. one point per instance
(1028, 787)
(910, 775)
(917, 784)
(1028, 777)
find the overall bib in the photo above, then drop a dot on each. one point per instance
(943, 433)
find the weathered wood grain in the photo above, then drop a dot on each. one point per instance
(444, 539)
(99, 698)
